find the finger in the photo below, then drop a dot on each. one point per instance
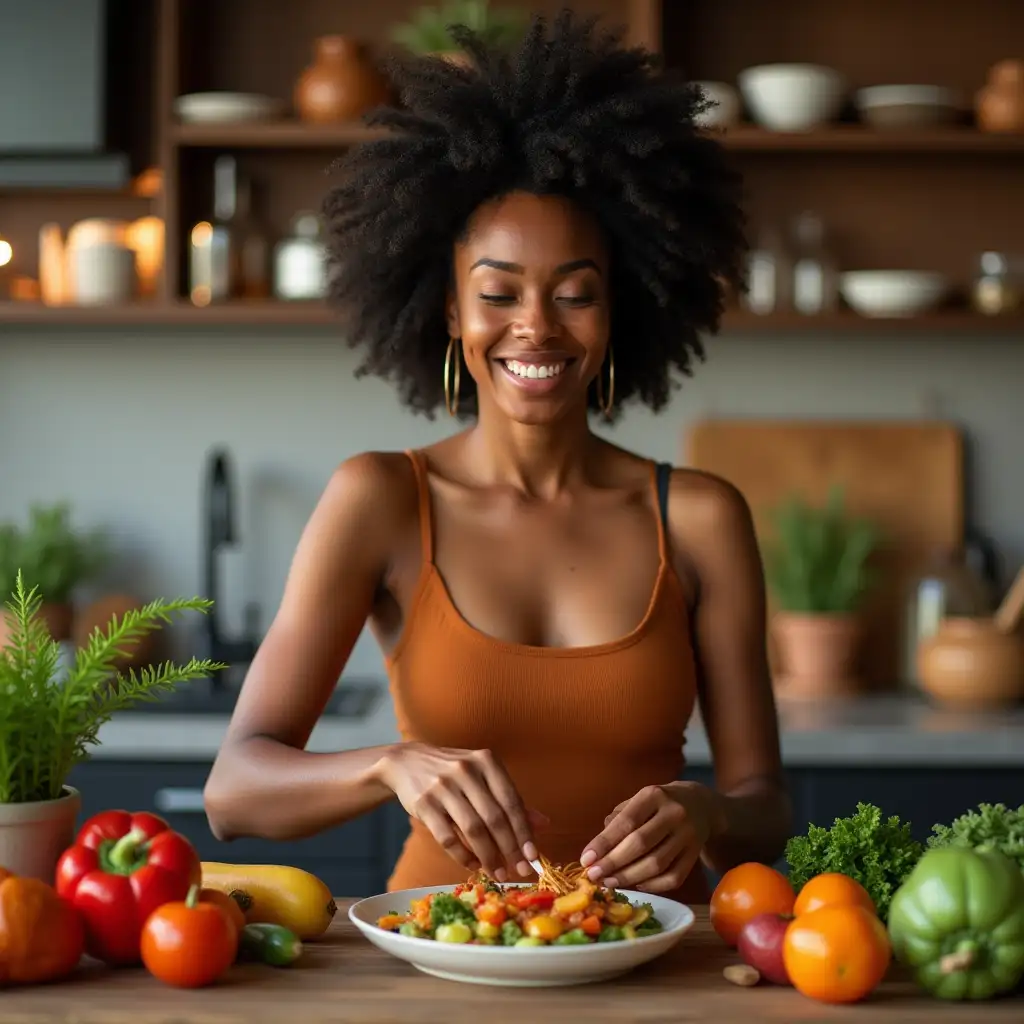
(476, 833)
(637, 845)
(496, 821)
(503, 788)
(448, 836)
(675, 876)
(634, 813)
(657, 860)
(611, 817)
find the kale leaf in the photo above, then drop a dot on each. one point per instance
(879, 853)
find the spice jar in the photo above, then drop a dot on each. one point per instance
(995, 290)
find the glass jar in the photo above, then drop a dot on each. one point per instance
(995, 290)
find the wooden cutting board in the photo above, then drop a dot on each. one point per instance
(908, 476)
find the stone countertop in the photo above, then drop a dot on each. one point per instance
(879, 731)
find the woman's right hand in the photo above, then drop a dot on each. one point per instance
(469, 803)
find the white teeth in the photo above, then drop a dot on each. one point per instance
(534, 370)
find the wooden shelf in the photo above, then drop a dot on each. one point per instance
(858, 139)
(262, 313)
(272, 135)
(155, 314)
(954, 321)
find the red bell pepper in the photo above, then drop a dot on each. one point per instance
(120, 868)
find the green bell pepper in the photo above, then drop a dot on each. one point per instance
(958, 921)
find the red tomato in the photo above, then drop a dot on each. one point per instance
(189, 944)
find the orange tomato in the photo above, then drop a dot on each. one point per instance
(829, 890)
(837, 954)
(189, 944)
(491, 913)
(746, 891)
(227, 903)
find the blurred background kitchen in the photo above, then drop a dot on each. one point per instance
(174, 396)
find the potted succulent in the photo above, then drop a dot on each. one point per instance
(54, 557)
(429, 31)
(49, 720)
(817, 567)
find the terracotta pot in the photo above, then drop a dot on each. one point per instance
(341, 84)
(969, 664)
(58, 619)
(34, 835)
(818, 654)
(999, 104)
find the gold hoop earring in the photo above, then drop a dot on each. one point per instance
(606, 407)
(451, 388)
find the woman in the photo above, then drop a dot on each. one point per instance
(540, 238)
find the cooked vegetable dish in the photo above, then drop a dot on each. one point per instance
(482, 913)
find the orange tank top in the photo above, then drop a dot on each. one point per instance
(579, 729)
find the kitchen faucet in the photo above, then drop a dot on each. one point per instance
(220, 532)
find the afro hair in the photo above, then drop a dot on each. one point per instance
(573, 113)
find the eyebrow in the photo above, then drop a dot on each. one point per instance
(518, 268)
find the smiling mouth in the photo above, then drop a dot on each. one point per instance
(534, 371)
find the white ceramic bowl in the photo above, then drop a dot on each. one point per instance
(226, 107)
(727, 105)
(522, 967)
(792, 97)
(907, 106)
(892, 293)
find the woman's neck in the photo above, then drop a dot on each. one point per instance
(538, 460)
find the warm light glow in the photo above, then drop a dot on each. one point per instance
(6, 253)
(202, 233)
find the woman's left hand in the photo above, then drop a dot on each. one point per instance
(652, 841)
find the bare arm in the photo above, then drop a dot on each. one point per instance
(750, 807)
(263, 782)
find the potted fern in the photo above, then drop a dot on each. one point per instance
(54, 557)
(429, 31)
(817, 567)
(49, 722)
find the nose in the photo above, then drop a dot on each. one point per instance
(536, 322)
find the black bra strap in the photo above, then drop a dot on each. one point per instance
(663, 472)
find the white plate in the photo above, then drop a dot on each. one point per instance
(226, 107)
(521, 966)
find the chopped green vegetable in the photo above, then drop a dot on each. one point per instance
(878, 852)
(993, 826)
(529, 940)
(511, 933)
(618, 897)
(611, 933)
(448, 909)
(412, 930)
(576, 937)
(649, 927)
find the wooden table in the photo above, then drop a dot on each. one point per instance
(344, 978)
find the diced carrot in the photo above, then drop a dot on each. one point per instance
(389, 922)
(591, 925)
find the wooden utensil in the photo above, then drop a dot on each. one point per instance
(907, 476)
(1008, 615)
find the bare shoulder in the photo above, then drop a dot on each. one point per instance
(372, 482)
(703, 506)
(369, 500)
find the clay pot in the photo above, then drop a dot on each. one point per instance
(1000, 103)
(341, 84)
(818, 654)
(58, 619)
(968, 663)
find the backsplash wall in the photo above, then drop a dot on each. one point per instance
(118, 422)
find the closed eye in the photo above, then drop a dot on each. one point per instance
(497, 300)
(576, 300)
